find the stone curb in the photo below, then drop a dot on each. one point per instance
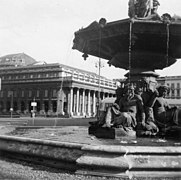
(100, 159)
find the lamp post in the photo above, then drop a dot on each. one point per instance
(33, 104)
(11, 108)
(100, 65)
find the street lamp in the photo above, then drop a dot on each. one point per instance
(33, 104)
(11, 108)
(99, 65)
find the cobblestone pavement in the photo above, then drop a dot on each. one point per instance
(17, 170)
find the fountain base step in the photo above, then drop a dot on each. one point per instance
(110, 133)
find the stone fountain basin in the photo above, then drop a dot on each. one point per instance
(150, 42)
(73, 149)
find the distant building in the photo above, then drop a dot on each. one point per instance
(57, 89)
(174, 82)
(20, 59)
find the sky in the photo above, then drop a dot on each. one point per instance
(44, 30)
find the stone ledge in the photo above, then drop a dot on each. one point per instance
(99, 158)
(110, 133)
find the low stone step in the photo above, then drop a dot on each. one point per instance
(115, 160)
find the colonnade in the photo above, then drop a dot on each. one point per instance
(69, 101)
(80, 102)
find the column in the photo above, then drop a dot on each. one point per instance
(94, 103)
(83, 102)
(77, 103)
(42, 105)
(19, 104)
(60, 102)
(5, 106)
(27, 105)
(89, 113)
(71, 102)
(50, 105)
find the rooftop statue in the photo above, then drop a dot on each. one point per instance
(143, 9)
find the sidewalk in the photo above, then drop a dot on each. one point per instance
(42, 121)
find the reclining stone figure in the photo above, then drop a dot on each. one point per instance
(165, 115)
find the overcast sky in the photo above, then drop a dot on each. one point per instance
(44, 29)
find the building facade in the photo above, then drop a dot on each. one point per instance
(56, 89)
(174, 82)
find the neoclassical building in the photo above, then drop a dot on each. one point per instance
(56, 89)
(174, 82)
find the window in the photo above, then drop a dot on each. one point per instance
(172, 86)
(172, 89)
(173, 92)
(178, 85)
(1, 94)
(22, 93)
(29, 93)
(38, 93)
(54, 93)
(15, 93)
(10, 93)
(178, 92)
(46, 93)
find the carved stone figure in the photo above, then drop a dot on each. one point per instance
(143, 8)
(132, 8)
(165, 115)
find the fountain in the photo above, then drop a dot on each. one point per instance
(140, 44)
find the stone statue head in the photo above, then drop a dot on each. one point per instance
(129, 89)
(163, 90)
